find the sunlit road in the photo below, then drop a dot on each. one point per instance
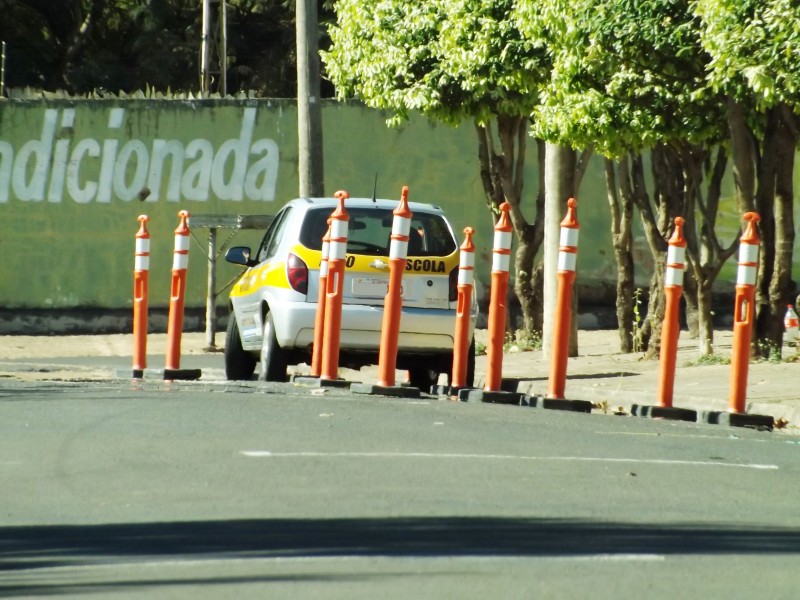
(224, 491)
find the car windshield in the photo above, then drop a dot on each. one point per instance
(369, 230)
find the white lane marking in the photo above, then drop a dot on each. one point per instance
(645, 461)
(205, 562)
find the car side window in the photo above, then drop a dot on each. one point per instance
(273, 236)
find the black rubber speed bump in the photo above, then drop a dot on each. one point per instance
(319, 382)
(397, 391)
(719, 417)
(583, 406)
(664, 412)
(473, 395)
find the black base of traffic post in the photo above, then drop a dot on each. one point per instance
(473, 395)
(182, 374)
(397, 391)
(718, 417)
(664, 412)
(583, 406)
(319, 382)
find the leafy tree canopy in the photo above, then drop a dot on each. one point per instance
(755, 48)
(449, 59)
(626, 75)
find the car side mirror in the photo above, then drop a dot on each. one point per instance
(240, 255)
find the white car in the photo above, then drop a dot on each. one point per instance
(274, 303)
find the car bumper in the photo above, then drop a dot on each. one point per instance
(422, 330)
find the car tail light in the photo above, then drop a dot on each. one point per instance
(453, 295)
(297, 272)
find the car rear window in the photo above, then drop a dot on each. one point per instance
(369, 230)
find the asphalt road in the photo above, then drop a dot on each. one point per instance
(193, 490)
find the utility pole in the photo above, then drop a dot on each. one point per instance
(214, 48)
(309, 110)
(3, 70)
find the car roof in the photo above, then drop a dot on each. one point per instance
(366, 203)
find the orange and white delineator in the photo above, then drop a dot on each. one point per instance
(393, 302)
(141, 273)
(337, 254)
(791, 325)
(562, 321)
(673, 289)
(744, 313)
(319, 318)
(466, 268)
(180, 263)
(501, 261)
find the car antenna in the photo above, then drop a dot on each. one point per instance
(375, 188)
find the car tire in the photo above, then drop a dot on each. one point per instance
(273, 359)
(239, 364)
(421, 376)
(470, 378)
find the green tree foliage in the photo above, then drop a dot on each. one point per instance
(452, 60)
(630, 77)
(754, 47)
(82, 46)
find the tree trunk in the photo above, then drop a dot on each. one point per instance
(559, 186)
(781, 285)
(621, 205)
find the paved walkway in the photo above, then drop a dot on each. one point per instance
(600, 374)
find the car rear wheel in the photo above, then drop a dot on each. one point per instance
(420, 375)
(239, 364)
(273, 360)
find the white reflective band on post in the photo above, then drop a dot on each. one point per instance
(398, 249)
(748, 253)
(401, 226)
(181, 242)
(338, 250)
(142, 263)
(500, 262)
(567, 260)
(323, 268)
(569, 236)
(465, 277)
(467, 259)
(746, 275)
(338, 229)
(142, 245)
(502, 239)
(326, 248)
(676, 255)
(180, 261)
(673, 277)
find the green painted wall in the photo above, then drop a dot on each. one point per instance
(70, 173)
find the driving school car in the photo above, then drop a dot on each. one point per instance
(274, 303)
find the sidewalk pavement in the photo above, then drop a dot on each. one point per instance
(612, 381)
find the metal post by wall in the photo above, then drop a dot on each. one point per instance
(2, 69)
(211, 304)
(214, 48)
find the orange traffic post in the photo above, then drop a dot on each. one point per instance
(501, 261)
(180, 263)
(393, 308)
(562, 321)
(743, 320)
(673, 290)
(319, 318)
(141, 270)
(466, 268)
(393, 302)
(744, 313)
(670, 328)
(337, 254)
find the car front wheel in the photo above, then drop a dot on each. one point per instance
(273, 360)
